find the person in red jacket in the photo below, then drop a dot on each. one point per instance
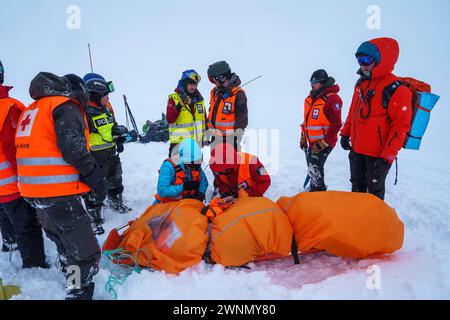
(320, 129)
(237, 170)
(374, 134)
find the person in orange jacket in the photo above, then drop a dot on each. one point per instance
(374, 133)
(18, 220)
(321, 125)
(237, 170)
(55, 169)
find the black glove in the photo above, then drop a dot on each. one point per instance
(200, 196)
(185, 99)
(345, 143)
(100, 191)
(120, 147)
(191, 185)
(178, 107)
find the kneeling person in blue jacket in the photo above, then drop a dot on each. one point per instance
(182, 177)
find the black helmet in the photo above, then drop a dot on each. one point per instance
(2, 73)
(47, 84)
(319, 76)
(221, 68)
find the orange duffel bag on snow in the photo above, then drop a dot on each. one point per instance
(344, 224)
(168, 237)
(250, 229)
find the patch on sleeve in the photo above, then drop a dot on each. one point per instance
(261, 171)
(337, 106)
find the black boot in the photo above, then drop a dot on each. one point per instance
(95, 213)
(9, 246)
(115, 202)
(85, 293)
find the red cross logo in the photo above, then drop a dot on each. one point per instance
(25, 122)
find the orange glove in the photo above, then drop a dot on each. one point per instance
(303, 143)
(319, 146)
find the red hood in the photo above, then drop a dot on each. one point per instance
(389, 52)
(4, 91)
(333, 89)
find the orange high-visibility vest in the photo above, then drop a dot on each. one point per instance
(8, 174)
(316, 124)
(245, 180)
(222, 114)
(180, 178)
(42, 171)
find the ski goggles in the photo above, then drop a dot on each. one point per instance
(221, 78)
(101, 87)
(365, 60)
(315, 81)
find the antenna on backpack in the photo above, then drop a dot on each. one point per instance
(251, 81)
(90, 57)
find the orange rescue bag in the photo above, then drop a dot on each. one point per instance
(250, 229)
(168, 237)
(344, 224)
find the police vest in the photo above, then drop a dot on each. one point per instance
(180, 178)
(8, 174)
(42, 171)
(316, 124)
(101, 125)
(222, 112)
(245, 180)
(188, 124)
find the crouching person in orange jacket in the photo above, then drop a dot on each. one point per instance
(237, 170)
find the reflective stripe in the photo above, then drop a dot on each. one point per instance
(103, 146)
(183, 133)
(6, 181)
(5, 165)
(316, 137)
(49, 179)
(226, 124)
(317, 128)
(41, 162)
(181, 126)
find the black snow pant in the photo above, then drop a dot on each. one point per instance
(28, 232)
(67, 224)
(6, 228)
(316, 168)
(367, 175)
(111, 166)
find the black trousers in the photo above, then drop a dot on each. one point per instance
(6, 227)
(28, 231)
(68, 225)
(111, 166)
(316, 168)
(367, 175)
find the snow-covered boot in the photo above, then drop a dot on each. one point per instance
(116, 204)
(85, 293)
(9, 246)
(96, 218)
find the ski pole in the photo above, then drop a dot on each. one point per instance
(251, 81)
(90, 57)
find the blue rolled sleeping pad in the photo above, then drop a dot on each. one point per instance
(419, 125)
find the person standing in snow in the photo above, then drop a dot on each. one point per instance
(320, 129)
(106, 140)
(186, 112)
(237, 170)
(18, 220)
(228, 112)
(374, 134)
(55, 169)
(182, 177)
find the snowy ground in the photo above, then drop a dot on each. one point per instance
(420, 270)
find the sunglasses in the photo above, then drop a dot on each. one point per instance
(221, 78)
(365, 60)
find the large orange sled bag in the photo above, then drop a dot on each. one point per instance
(251, 229)
(344, 224)
(169, 237)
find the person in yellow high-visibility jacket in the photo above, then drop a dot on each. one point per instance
(186, 113)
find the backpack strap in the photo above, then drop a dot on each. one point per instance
(389, 91)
